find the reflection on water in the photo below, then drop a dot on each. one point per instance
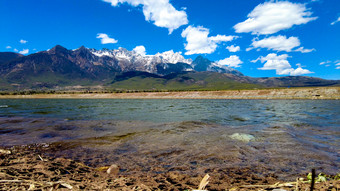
(285, 136)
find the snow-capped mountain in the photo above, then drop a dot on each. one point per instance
(131, 60)
(162, 63)
(59, 67)
(103, 64)
(122, 53)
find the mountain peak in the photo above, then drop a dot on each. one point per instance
(200, 58)
(82, 48)
(58, 49)
(201, 64)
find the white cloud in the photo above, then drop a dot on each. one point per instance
(16, 50)
(273, 16)
(140, 50)
(232, 61)
(198, 41)
(279, 43)
(299, 71)
(24, 51)
(281, 65)
(303, 50)
(8, 47)
(326, 62)
(233, 48)
(338, 20)
(23, 41)
(161, 12)
(221, 38)
(105, 39)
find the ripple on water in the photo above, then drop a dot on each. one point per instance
(190, 135)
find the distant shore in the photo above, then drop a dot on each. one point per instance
(285, 93)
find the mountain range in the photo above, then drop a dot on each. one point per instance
(122, 69)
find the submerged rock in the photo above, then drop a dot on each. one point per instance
(242, 137)
(113, 170)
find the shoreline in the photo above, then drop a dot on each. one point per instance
(322, 93)
(31, 167)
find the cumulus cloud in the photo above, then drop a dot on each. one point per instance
(15, 50)
(233, 48)
(24, 51)
(23, 41)
(140, 50)
(338, 20)
(105, 39)
(198, 41)
(273, 16)
(299, 71)
(280, 64)
(8, 47)
(160, 12)
(279, 43)
(232, 61)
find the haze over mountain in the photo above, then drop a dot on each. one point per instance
(123, 69)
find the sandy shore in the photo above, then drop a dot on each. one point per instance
(288, 93)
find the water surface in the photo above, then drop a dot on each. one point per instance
(287, 136)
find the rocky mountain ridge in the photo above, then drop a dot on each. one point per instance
(59, 67)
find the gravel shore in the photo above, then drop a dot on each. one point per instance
(29, 168)
(287, 93)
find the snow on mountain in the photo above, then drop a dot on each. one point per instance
(160, 63)
(173, 57)
(122, 53)
(215, 67)
(143, 62)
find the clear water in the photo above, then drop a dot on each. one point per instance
(290, 136)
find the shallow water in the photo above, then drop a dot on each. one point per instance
(288, 137)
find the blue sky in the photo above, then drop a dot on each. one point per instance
(260, 38)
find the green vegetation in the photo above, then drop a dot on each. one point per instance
(182, 82)
(322, 177)
(140, 82)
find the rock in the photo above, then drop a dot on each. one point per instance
(66, 185)
(3, 151)
(242, 137)
(113, 169)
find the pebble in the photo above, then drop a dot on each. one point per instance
(3, 151)
(113, 169)
(242, 137)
